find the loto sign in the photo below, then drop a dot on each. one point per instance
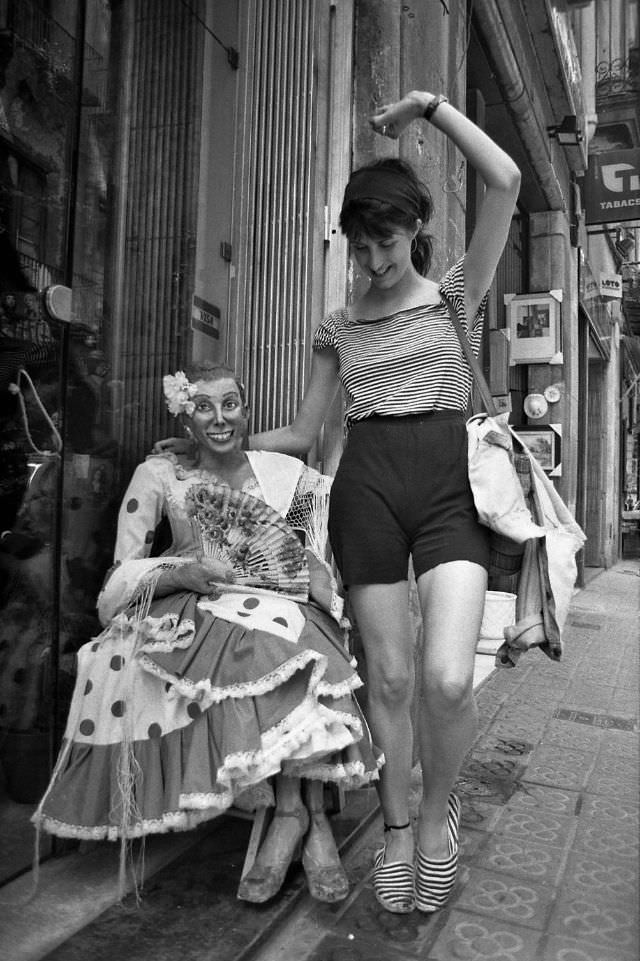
(611, 285)
(612, 187)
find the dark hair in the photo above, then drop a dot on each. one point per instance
(377, 217)
(209, 370)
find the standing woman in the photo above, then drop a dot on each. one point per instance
(402, 490)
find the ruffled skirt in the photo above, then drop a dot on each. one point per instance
(178, 715)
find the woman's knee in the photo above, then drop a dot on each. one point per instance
(390, 684)
(452, 693)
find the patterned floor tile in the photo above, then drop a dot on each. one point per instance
(595, 923)
(522, 859)
(625, 812)
(604, 879)
(569, 949)
(492, 779)
(521, 729)
(507, 899)
(625, 784)
(541, 799)
(619, 744)
(466, 937)
(537, 827)
(572, 736)
(514, 747)
(478, 813)
(606, 837)
(552, 764)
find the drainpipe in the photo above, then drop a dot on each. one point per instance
(516, 98)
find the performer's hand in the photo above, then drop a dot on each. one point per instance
(322, 583)
(206, 576)
(172, 445)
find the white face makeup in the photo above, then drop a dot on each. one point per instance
(219, 419)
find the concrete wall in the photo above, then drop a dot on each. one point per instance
(407, 46)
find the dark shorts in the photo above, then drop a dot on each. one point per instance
(402, 489)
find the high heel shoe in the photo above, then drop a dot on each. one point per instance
(435, 878)
(263, 881)
(393, 883)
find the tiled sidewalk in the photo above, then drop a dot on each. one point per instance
(550, 792)
(549, 867)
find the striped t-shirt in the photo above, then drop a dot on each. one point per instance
(408, 362)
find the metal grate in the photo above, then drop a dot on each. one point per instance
(280, 164)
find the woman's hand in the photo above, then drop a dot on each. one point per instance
(392, 120)
(207, 576)
(172, 445)
(322, 583)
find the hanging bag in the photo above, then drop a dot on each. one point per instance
(534, 538)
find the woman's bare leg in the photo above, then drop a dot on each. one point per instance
(452, 600)
(382, 614)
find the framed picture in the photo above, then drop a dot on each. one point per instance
(534, 327)
(544, 444)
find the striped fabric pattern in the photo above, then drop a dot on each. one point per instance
(393, 884)
(406, 363)
(434, 880)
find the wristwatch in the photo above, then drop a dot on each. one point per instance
(433, 106)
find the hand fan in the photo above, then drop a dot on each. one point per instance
(234, 527)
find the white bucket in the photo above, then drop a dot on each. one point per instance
(499, 612)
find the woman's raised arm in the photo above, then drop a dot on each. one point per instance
(500, 174)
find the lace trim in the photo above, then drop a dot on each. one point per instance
(351, 776)
(205, 693)
(343, 689)
(173, 821)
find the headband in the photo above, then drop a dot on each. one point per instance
(380, 183)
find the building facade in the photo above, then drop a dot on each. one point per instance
(179, 167)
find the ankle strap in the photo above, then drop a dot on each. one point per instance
(396, 827)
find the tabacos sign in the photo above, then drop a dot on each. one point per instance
(612, 187)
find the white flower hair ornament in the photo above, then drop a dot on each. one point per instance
(178, 392)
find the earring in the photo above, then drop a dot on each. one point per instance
(414, 245)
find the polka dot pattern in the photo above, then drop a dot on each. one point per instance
(88, 688)
(194, 710)
(117, 708)
(154, 731)
(116, 662)
(87, 727)
(132, 505)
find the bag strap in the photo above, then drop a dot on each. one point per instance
(472, 360)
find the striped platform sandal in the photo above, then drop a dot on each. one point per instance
(393, 883)
(435, 878)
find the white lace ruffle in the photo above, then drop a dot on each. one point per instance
(206, 693)
(173, 821)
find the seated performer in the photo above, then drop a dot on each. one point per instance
(222, 662)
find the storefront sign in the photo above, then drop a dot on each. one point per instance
(205, 317)
(611, 285)
(612, 187)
